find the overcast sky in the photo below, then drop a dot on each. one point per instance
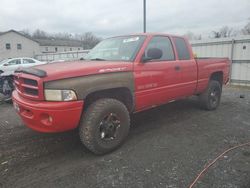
(114, 17)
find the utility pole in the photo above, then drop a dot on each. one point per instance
(144, 16)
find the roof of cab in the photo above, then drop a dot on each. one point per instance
(150, 34)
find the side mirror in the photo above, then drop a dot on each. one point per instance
(152, 53)
(145, 59)
(6, 64)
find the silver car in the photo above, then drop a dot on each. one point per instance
(7, 69)
(8, 66)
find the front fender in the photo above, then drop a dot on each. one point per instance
(89, 84)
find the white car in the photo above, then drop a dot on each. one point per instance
(8, 66)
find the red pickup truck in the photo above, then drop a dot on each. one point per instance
(120, 76)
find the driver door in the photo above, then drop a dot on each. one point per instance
(157, 80)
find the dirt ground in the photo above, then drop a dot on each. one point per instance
(167, 147)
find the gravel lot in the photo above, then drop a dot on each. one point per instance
(167, 147)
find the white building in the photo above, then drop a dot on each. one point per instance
(14, 44)
(58, 45)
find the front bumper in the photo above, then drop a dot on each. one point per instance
(46, 116)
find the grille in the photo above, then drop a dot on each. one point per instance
(27, 87)
(30, 91)
(30, 82)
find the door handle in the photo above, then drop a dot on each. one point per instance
(177, 68)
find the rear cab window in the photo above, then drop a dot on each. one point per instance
(181, 48)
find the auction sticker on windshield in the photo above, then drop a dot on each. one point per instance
(133, 39)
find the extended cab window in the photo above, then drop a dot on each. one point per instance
(182, 49)
(164, 44)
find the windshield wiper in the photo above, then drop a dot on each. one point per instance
(98, 59)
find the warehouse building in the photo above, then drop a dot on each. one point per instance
(15, 44)
(58, 45)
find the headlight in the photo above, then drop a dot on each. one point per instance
(59, 95)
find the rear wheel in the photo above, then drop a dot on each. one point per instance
(210, 99)
(104, 126)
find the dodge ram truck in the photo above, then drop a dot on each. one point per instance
(120, 76)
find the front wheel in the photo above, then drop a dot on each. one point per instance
(210, 99)
(104, 126)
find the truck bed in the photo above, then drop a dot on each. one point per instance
(206, 66)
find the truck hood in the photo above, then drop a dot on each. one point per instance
(63, 70)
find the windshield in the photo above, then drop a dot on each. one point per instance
(3, 61)
(122, 48)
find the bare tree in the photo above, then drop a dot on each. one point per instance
(216, 34)
(226, 31)
(25, 32)
(63, 35)
(246, 29)
(40, 34)
(89, 40)
(223, 32)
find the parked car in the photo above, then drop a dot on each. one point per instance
(120, 76)
(8, 66)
